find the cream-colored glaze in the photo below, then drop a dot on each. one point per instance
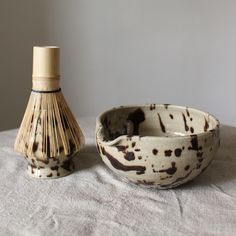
(173, 145)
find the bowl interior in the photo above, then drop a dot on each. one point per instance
(155, 120)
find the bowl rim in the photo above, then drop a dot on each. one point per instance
(99, 125)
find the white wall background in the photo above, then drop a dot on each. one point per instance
(117, 52)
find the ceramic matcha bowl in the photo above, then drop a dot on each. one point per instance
(162, 146)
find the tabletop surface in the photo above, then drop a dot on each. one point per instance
(92, 201)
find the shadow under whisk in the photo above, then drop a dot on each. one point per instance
(87, 158)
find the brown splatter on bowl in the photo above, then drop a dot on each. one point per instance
(162, 146)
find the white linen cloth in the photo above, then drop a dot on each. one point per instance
(92, 201)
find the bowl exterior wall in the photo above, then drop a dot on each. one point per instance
(160, 162)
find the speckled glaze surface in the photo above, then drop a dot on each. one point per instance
(49, 167)
(160, 146)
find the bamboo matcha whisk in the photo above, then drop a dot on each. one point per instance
(49, 135)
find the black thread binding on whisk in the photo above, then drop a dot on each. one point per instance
(51, 91)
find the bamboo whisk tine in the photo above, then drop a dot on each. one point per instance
(49, 134)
